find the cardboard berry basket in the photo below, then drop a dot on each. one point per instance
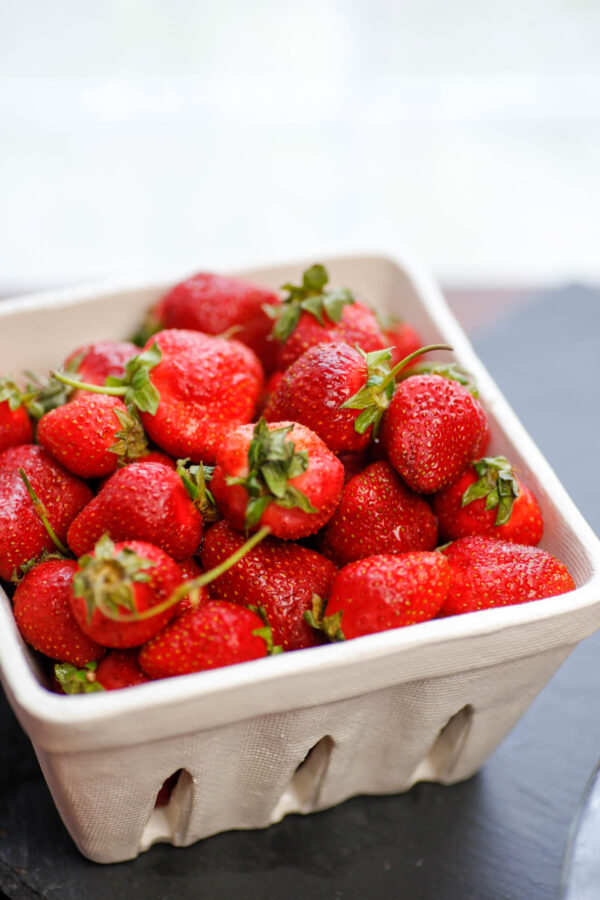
(300, 731)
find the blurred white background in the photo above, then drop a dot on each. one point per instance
(171, 134)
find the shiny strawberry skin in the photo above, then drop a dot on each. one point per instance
(44, 617)
(214, 303)
(207, 386)
(322, 483)
(358, 325)
(145, 501)
(386, 591)
(277, 575)
(120, 669)
(214, 635)
(486, 573)
(525, 525)
(378, 514)
(22, 535)
(313, 389)
(165, 576)
(431, 430)
(15, 426)
(99, 360)
(80, 434)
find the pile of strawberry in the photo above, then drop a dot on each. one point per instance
(262, 474)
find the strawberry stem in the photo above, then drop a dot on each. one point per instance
(86, 386)
(187, 587)
(393, 372)
(42, 513)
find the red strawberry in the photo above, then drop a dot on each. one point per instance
(486, 573)
(124, 580)
(83, 434)
(190, 570)
(43, 614)
(378, 514)
(316, 387)
(216, 634)
(144, 501)
(95, 362)
(216, 303)
(383, 592)
(489, 499)
(280, 475)
(404, 340)
(278, 576)
(353, 463)
(431, 430)
(62, 496)
(120, 669)
(15, 424)
(313, 314)
(269, 389)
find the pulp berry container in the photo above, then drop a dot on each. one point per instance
(306, 730)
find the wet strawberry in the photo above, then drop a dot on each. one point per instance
(120, 669)
(44, 617)
(278, 576)
(61, 496)
(382, 592)
(280, 475)
(489, 499)
(15, 424)
(486, 573)
(378, 514)
(95, 362)
(214, 635)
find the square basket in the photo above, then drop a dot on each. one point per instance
(305, 730)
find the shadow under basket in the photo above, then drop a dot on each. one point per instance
(302, 731)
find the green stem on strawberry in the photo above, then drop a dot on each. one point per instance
(451, 371)
(135, 386)
(329, 625)
(193, 584)
(42, 514)
(195, 478)
(374, 398)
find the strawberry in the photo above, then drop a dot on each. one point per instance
(96, 362)
(279, 475)
(191, 570)
(278, 576)
(190, 389)
(314, 314)
(15, 424)
(489, 499)
(316, 387)
(214, 635)
(382, 592)
(116, 584)
(60, 496)
(43, 614)
(431, 430)
(486, 573)
(353, 463)
(378, 514)
(270, 386)
(215, 304)
(119, 669)
(145, 501)
(82, 435)
(404, 339)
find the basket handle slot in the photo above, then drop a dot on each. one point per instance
(171, 812)
(447, 747)
(302, 792)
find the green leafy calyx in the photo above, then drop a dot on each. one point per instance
(11, 393)
(131, 442)
(195, 479)
(329, 625)
(373, 399)
(497, 484)
(78, 681)
(265, 633)
(272, 462)
(107, 579)
(311, 296)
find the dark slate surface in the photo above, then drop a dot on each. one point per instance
(500, 835)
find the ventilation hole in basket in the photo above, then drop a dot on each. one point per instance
(446, 748)
(302, 793)
(171, 810)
